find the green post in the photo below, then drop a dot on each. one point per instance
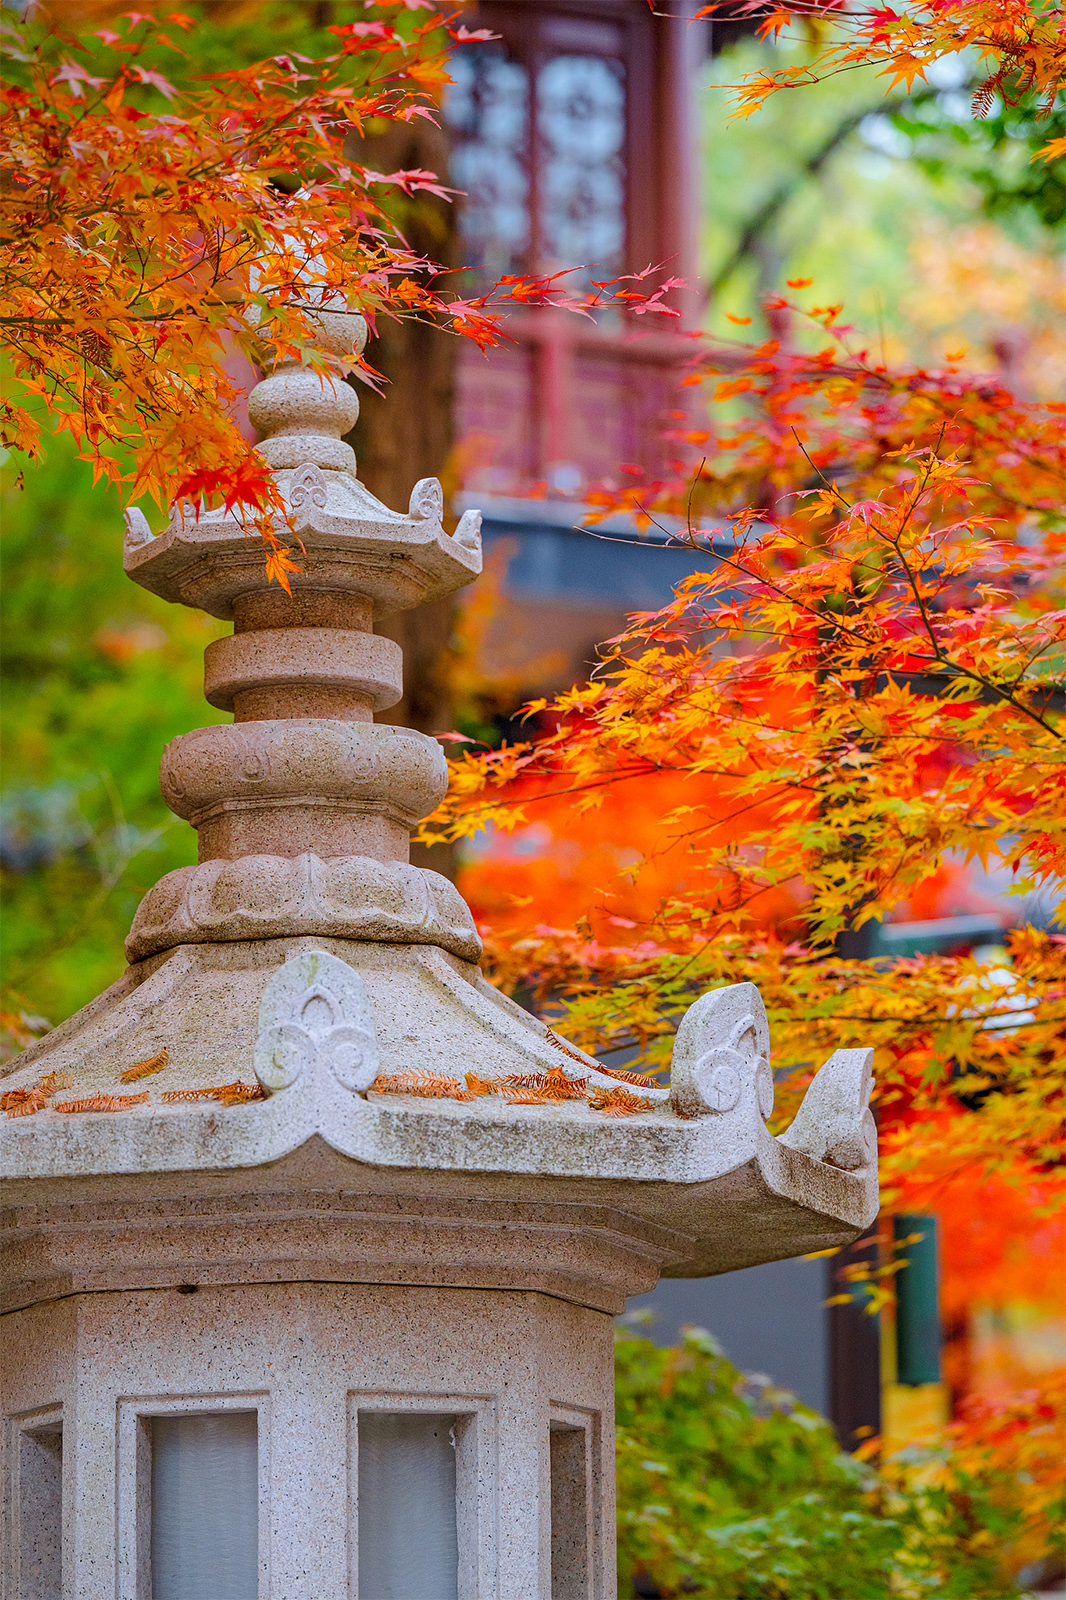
(918, 1332)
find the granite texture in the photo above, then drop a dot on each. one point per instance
(433, 1014)
(826, 1126)
(309, 658)
(308, 1358)
(289, 786)
(351, 542)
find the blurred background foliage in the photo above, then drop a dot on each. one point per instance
(730, 1489)
(97, 676)
(935, 230)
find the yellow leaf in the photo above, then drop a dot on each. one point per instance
(1050, 151)
(904, 69)
(431, 74)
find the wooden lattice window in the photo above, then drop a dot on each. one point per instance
(540, 153)
(571, 141)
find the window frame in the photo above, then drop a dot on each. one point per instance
(23, 1428)
(474, 1417)
(133, 1479)
(559, 369)
(588, 1424)
(527, 35)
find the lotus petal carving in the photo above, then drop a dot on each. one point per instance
(278, 897)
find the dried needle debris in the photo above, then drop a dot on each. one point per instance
(141, 1069)
(24, 1102)
(616, 1102)
(478, 1086)
(560, 1044)
(229, 1094)
(551, 1087)
(642, 1080)
(430, 1085)
(102, 1102)
(548, 1086)
(522, 1089)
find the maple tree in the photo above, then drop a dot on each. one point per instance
(850, 695)
(152, 228)
(861, 694)
(1019, 46)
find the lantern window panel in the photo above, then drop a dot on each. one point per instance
(205, 1506)
(422, 1487)
(192, 1487)
(408, 1518)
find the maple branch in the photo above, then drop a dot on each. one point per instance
(955, 668)
(833, 490)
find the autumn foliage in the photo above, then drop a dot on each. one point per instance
(858, 696)
(156, 221)
(1019, 47)
(150, 231)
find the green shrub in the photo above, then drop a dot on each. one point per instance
(729, 1489)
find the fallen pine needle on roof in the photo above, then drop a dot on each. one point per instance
(233, 1094)
(617, 1102)
(479, 1086)
(53, 1082)
(520, 1089)
(643, 1080)
(553, 1084)
(102, 1102)
(24, 1102)
(568, 1050)
(430, 1085)
(141, 1069)
(230, 1094)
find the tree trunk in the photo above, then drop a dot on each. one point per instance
(406, 433)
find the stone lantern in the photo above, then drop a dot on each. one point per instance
(311, 1239)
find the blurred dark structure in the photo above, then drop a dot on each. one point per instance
(919, 1335)
(768, 1319)
(574, 141)
(853, 1348)
(567, 588)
